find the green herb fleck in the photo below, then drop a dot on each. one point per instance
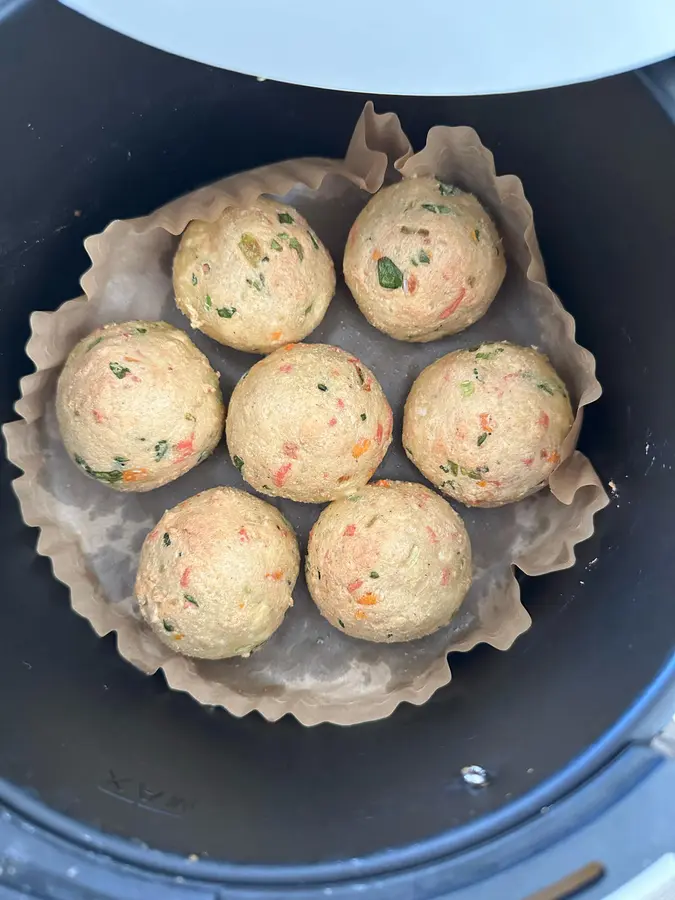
(466, 388)
(226, 312)
(141, 330)
(308, 309)
(341, 623)
(285, 218)
(425, 259)
(190, 599)
(476, 234)
(190, 417)
(414, 261)
(194, 279)
(354, 497)
(295, 244)
(94, 343)
(258, 284)
(481, 440)
(160, 450)
(166, 540)
(374, 575)
(238, 462)
(275, 245)
(208, 302)
(118, 370)
(448, 190)
(314, 241)
(284, 235)
(322, 387)
(363, 417)
(168, 626)
(490, 354)
(546, 388)
(451, 467)
(438, 208)
(250, 247)
(388, 274)
(122, 460)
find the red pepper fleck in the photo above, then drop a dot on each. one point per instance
(367, 386)
(291, 450)
(343, 478)
(355, 585)
(206, 268)
(185, 577)
(433, 537)
(335, 372)
(333, 421)
(98, 416)
(185, 448)
(445, 578)
(380, 433)
(244, 536)
(449, 310)
(350, 530)
(153, 535)
(341, 403)
(286, 368)
(543, 419)
(137, 380)
(281, 474)
(528, 461)
(411, 284)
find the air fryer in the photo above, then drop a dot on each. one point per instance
(94, 754)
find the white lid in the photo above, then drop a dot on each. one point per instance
(429, 47)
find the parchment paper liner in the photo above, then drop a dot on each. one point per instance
(328, 677)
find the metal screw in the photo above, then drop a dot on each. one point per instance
(476, 776)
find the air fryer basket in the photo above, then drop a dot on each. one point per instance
(104, 128)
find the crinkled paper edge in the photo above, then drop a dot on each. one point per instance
(377, 149)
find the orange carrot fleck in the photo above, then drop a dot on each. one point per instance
(289, 346)
(291, 450)
(277, 575)
(367, 386)
(242, 605)
(355, 585)
(134, 475)
(360, 447)
(375, 255)
(410, 284)
(281, 474)
(343, 478)
(482, 484)
(368, 599)
(350, 531)
(382, 483)
(185, 577)
(178, 637)
(360, 614)
(433, 537)
(131, 359)
(275, 335)
(543, 419)
(485, 422)
(333, 422)
(449, 310)
(551, 456)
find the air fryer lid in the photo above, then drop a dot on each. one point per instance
(96, 740)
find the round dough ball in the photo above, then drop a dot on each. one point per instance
(423, 260)
(309, 422)
(487, 425)
(217, 573)
(390, 563)
(138, 405)
(254, 279)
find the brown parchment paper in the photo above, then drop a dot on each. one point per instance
(93, 535)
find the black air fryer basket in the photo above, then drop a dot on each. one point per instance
(115, 786)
